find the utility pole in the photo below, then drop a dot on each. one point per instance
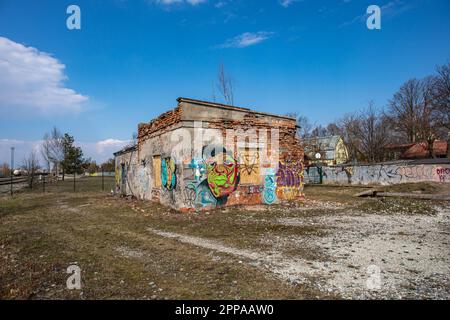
(74, 176)
(103, 182)
(12, 169)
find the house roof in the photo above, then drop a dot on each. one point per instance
(125, 150)
(326, 145)
(420, 150)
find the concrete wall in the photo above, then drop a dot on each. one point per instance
(185, 178)
(385, 174)
(192, 178)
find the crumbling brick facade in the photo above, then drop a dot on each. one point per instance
(203, 155)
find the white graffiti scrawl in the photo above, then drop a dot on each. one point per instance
(385, 174)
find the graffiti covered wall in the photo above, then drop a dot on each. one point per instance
(234, 172)
(385, 174)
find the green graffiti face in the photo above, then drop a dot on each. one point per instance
(222, 174)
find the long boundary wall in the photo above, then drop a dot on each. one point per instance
(386, 173)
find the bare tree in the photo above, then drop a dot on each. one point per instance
(225, 85)
(31, 166)
(366, 134)
(45, 151)
(410, 110)
(53, 149)
(333, 129)
(4, 170)
(348, 125)
(133, 142)
(213, 92)
(372, 134)
(441, 98)
(305, 127)
(319, 131)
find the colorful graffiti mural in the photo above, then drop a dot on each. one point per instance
(270, 186)
(198, 195)
(168, 173)
(213, 179)
(199, 168)
(222, 172)
(289, 179)
(210, 181)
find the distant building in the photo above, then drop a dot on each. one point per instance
(419, 150)
(329, 150)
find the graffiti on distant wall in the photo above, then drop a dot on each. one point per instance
(270, 187)
(443, 173)
(289, 179)
(385, 174)
(168, 173)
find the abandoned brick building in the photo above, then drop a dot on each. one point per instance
(202, 155)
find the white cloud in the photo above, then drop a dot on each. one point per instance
(195, 2)
(102, 150)
(246, 39)
(287, 3)
(106, 145)
(171, 2)
(99, 151)
(34, 80)
(220, 4)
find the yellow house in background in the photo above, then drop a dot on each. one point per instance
(330, 150)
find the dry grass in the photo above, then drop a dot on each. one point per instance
(42, 234)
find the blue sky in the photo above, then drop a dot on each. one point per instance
(133, 58)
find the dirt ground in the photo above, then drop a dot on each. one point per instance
(331, 246)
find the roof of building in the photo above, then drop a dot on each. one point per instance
(230, 107)
(125, 150)
(420, 150)
(326, 145)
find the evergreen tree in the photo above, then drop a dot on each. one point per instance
(73, 156)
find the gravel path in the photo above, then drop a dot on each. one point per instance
(362, 256)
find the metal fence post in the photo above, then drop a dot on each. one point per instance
(12, 169)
